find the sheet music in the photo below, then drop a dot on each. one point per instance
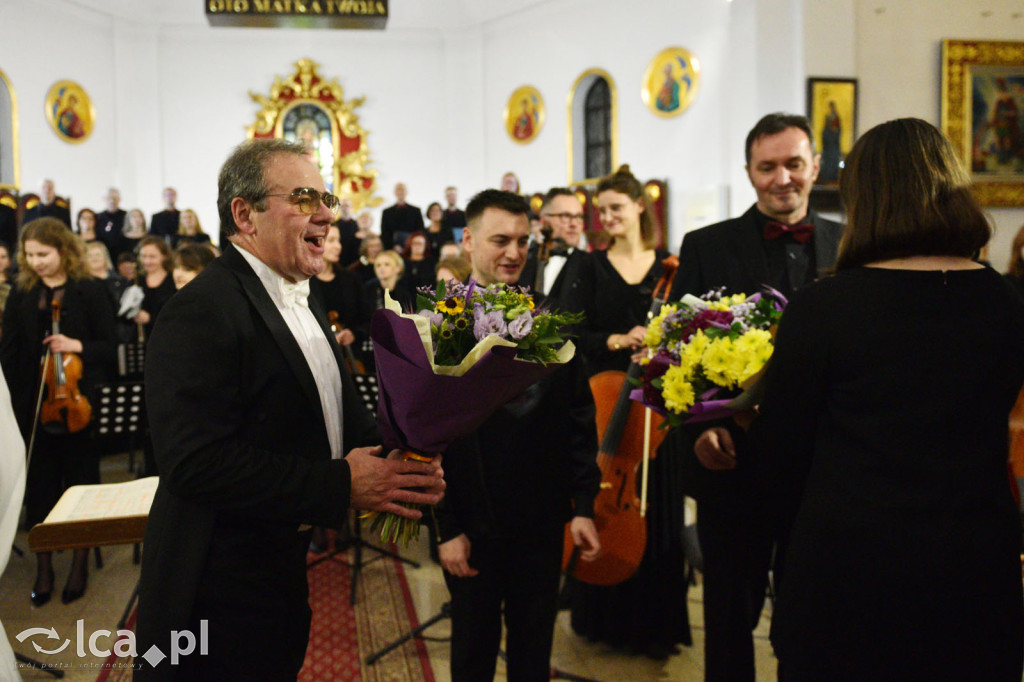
(109, 500)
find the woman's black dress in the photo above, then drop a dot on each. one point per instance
(886, 406)
(154, 299)
(58, 460)
(647, 613)
(420, 273)
(344, 295)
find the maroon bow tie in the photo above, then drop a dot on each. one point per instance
(801, 232)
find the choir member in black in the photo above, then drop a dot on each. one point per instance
(397, 222)
(388, 267)
(134, 231)
(189, 229)
(512, 486)
(349, 230)
(419, 261)
(188, 261)
(85, 225)
(8, 223)
(438, 233)
(155, 280)
(51, 267)
(49, 206)
(646, 613)
(1015, 273)
(886, 423)
(454, 268)
(110, 223)
(6, 264)
(339, 291)
(369, 249)
(453, 217)
(97, 261)
(165, 223)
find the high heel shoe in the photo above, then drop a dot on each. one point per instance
(70, 594)
(40, 597)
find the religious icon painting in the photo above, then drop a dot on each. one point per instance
(671, 81)
(524, 114)
(69, 111)
(832, 111)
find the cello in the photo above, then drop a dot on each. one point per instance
(628, 434)
(63, 409)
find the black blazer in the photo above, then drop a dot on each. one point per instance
(731, 254)
(239, 439)
(86, 315)
(568, 274)
(165, 223)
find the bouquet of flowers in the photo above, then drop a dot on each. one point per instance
(704, 355)
(443, 370)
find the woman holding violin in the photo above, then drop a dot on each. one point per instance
(647, 611)
(59, 339)
(339, 291)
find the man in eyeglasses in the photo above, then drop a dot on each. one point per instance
(562, 217)
(251, 411)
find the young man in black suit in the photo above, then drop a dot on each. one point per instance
(251, 410)
(563, 213)
(513, 485)
(780, 242)
(453, 217)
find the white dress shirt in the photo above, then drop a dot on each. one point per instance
(291, 301)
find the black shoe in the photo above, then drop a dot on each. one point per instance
(70, 594)
(39, 597)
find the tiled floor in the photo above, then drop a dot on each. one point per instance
(110, 588)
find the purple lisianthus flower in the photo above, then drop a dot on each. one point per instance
(707, 318)
(521, 326)
(488, 323)
(435, 317)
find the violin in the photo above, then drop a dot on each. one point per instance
(63, 409)
(629, 435)
(354, 366)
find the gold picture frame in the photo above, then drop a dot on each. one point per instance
(524, 114)
(671, 82)
(832, 112)
(982, 97)
(69, 112)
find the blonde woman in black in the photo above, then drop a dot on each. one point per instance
(51, 267)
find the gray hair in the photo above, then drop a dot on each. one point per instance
(242, 175)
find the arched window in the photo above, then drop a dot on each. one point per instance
(598, 129)
(593, 124)
(9, 171)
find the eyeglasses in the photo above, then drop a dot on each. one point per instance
(578, 217)
(308, 200)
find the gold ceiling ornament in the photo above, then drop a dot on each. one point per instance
(308, 109)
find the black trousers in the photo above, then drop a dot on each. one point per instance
(523, 575)
(737, 552)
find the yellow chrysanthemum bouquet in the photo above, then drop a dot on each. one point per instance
(704, 353)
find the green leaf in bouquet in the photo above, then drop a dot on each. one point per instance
(424, 303)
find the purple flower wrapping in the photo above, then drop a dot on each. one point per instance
(424, 412)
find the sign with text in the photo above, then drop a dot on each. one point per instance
(298, 13)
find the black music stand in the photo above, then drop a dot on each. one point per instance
(120, 410)
(357, 543)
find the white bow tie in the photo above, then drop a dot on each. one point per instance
(294, 294)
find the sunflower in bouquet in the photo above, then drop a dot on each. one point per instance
(442, 370)
(705, 354)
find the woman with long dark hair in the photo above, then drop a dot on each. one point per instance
(881, 444)
(52, 269)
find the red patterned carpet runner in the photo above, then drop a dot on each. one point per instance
(342, 636)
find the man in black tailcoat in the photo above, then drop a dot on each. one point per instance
(562, 212)
(110, 223)
(513, 485)
(399, 221)
(251, 409)
(781, 243)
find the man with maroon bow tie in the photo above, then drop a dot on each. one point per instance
(781, 243)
